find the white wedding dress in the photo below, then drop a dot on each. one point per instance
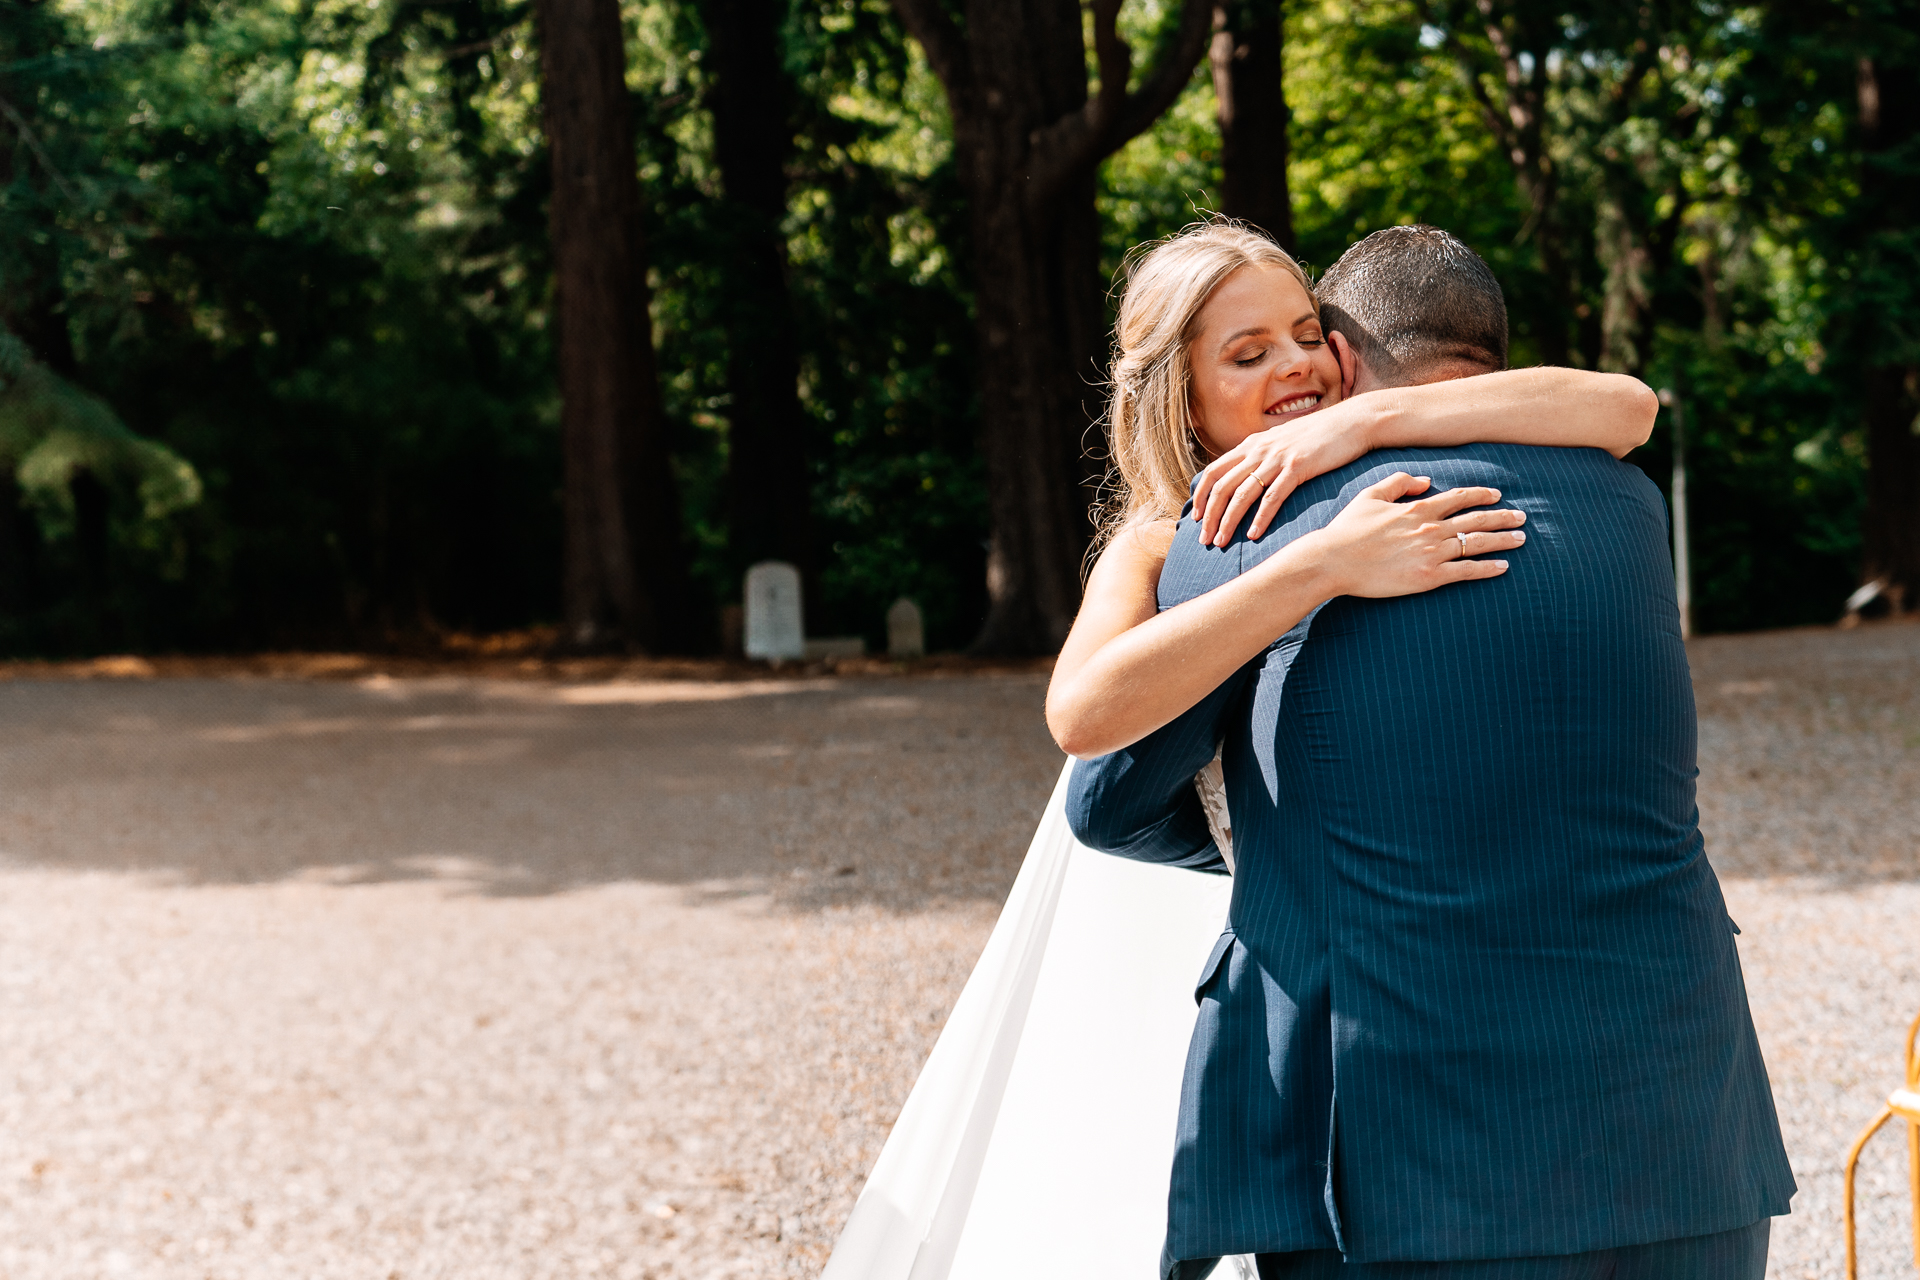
(1038, 1140)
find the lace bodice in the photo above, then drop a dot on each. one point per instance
(1211, 783)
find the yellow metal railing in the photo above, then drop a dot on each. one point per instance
(1905, 1103)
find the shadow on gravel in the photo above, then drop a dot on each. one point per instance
(894, 791)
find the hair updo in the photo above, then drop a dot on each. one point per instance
(1153, 450)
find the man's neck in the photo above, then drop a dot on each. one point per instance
(1445, 371)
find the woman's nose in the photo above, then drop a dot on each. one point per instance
(1292, 362)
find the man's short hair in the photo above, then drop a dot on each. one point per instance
(1413, 298)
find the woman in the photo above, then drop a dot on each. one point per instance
(1038, 1139)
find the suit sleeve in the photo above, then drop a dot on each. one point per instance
(1140, 802)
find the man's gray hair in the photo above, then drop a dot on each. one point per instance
(1410, 299)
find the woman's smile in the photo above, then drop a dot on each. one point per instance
(1298, 404)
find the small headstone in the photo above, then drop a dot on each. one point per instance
(906, 633)
(774, 629)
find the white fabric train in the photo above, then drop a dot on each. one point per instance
(1038, 1139)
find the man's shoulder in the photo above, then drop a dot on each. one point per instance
(1520, 471)
(1535, 471)
(1545, 465)
(1193, 568)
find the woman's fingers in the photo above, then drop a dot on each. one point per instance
(1465, 545)
(1209, 477)
(1233, 470)
(1245, 495)
(1469, 570)
(1264, 496)
(1442, 505)
(1277, 492)
(1395, 487)
(1485, 521)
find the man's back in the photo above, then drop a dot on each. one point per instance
(1477, 943)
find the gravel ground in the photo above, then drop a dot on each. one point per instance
(474, 977)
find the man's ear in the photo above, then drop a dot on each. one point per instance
(1348, 360)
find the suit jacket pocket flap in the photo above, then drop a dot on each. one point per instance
(1216, 960)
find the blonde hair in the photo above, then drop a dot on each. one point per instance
(1154, 451)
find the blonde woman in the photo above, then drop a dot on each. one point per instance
(1039, 1137)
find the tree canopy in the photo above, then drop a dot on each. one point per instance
(277, 287)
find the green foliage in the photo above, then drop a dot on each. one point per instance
(882, 315)
(1677, 272)
(290, 260)
(49, 431)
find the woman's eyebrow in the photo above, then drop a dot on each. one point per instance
(1308, 318)
(1232, 338)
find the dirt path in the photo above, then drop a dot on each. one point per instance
(464, 976)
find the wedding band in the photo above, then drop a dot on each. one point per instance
(1463, 542)
(1255, 477)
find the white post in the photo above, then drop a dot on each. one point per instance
(1682, 570)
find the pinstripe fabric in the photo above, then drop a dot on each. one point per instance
(1479, 996)
(1740, 1254)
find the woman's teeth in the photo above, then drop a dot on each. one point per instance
(1295, 405)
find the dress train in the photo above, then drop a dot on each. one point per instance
(1038, 1140)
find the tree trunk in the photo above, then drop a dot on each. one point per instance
(1889, 122)
(1028, 138)
(1248, 56)
(1890, 528)
(1038, 328)
(625, 579)
(769, 509)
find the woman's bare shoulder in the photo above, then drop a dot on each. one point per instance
(1147, 539)
(1132, 561)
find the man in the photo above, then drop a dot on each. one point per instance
(1478, 1010)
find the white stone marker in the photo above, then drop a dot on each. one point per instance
(774, 628)
(906, 633)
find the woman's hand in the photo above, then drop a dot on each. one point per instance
(1379, 546)
(1266, 467)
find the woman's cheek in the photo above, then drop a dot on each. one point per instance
(1328, 367)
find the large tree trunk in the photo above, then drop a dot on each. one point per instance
(1248, 54)
(1038, 330)
(1889, 122)
(769, 512)
(625, 581)
(1028, 138)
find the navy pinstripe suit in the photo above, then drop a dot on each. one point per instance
(1479, 996)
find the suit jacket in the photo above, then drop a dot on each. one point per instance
(1478, 996)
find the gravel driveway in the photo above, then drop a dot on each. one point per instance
(465, 977)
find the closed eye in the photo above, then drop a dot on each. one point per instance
(1248, 361)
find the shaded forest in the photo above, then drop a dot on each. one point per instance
(298, 295)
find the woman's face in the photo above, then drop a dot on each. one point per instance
(1260, 358)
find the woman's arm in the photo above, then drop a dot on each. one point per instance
(1550, 406)
(1126, 669)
